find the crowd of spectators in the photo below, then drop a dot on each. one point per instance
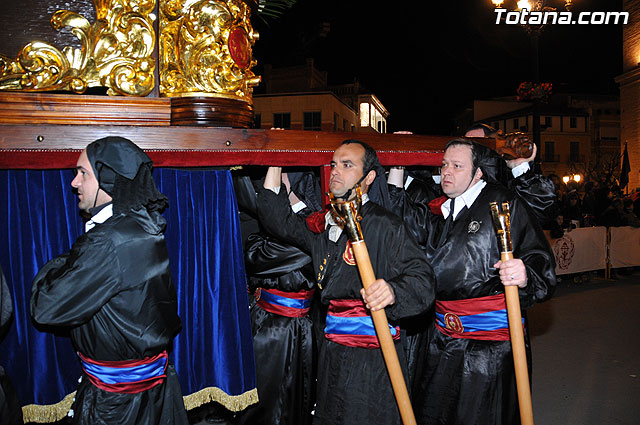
(593, 204)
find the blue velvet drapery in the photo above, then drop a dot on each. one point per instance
(39, 220)
(215, 347)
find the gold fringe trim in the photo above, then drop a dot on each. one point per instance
(234, 403)
(45, 413)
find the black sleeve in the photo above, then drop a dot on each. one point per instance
(532, 247)
(71, 288)
(277, 218)
(538, 192)
(266, 256)
(415, 213)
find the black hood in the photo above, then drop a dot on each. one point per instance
(115, 155)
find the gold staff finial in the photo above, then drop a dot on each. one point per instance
(501, 221)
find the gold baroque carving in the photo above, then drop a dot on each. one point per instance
(116, 52)
(205, 49)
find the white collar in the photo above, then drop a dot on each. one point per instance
(102, 216)
(334, 230)
(468, 198)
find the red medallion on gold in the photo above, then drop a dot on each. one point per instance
(239, 47)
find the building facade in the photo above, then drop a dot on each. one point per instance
(299, 98)
(577, 132)
(629, 83)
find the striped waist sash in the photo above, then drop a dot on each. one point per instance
(289, 304)
(483, 318)
(349, 323)
(126, 376)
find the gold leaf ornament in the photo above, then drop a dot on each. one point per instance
(195, 42)
(115, 52)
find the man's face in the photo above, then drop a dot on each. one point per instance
(347, 169)
(86, 184)
(455, 173)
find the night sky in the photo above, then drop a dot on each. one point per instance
(427, 60)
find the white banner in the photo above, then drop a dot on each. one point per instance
(624, 250)
(582, 249)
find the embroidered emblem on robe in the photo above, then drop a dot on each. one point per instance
(348, 256)
(474, 226)
(453, 322)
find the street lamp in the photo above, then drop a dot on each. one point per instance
(537, 5)
(575, 177)
(534, 31)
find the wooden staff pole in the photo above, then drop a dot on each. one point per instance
(517, 347)
(348, 214)
(516, 331)
(387, 345)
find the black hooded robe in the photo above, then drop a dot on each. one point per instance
(353, 384)
(283, 345)
(114, 291)
(466, 381)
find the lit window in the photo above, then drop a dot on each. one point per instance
(364, 115)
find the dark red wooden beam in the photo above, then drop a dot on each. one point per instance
(57, 146)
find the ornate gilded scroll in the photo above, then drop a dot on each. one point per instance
(205, 49)
(116, 52)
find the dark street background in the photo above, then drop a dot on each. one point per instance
(427, 61)
(586, 353)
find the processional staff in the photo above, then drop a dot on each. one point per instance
(347, 214)
(502, 224)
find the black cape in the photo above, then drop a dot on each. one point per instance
(114, 292)
(353, 383)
